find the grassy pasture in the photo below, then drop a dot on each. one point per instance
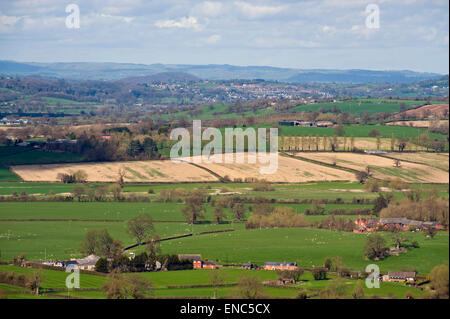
(357, 106)
(27, 155)
(358, 131)
(310, 247)
(57, 240)
(164, 283)
(57, 279)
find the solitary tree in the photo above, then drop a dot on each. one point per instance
(34, 281)
(358, 292)
(249, 287)
(439, 281)
(219, 214)
(194, 208)
(140, 227)
(375, 247)
(238, 211)
(217, 278)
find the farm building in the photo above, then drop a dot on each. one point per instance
(248, 266)
(279, 266)
(400, 276)
(306, 123)
(66, 264)
(209, 265)
(88, 263)
(324, 124)
(365, 225)
(285, 281)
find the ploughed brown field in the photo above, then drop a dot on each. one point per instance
(135, 171)
(418, 123)
(382, 167)
(434, 109)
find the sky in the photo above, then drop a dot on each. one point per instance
(304, 34)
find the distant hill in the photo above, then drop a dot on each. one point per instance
(116, 71)
(164, 77)
(360, 76)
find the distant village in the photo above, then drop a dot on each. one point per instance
(11, 122)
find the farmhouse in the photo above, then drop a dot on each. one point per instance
(280, 266)
(197, 261)
(207, 264)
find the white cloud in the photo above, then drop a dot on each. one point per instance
(8, 20)
(211, 9)
(213, 39)
(114, 17)
(328, 29)
(186, 23)
(255, 12)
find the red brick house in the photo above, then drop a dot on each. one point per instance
(195, 258)
(365, 225)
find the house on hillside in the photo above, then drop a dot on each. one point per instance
(280, 266)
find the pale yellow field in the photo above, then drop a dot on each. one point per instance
(364, 143)
(382, 168)
(417, 123)
(136, 171)
(439, 160)
(290, 170)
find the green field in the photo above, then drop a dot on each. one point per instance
(309, 246)
(358, 131)
(354, 106)
(175, 284)
(10, 155)
(357, 106)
